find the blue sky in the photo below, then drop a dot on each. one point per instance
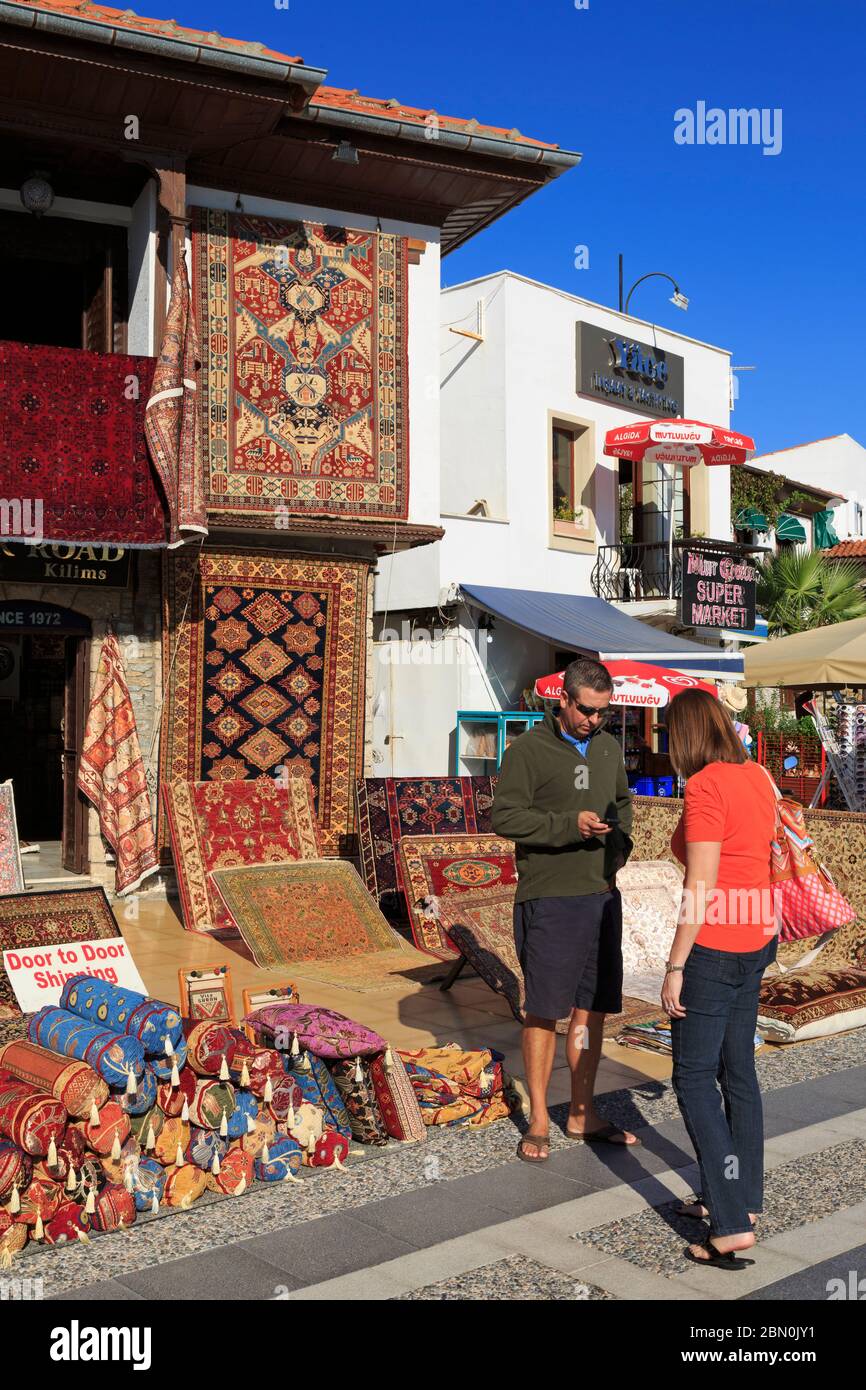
(769, 249)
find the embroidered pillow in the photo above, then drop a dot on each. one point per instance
(284, 1158)
(322, 1031)
(356, 1087)
(316, 1085)
(30, 1118)
(401, 1113)
(811, 1003)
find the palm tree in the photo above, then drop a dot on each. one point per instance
(800, 589)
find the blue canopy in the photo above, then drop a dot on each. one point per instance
(594, 627)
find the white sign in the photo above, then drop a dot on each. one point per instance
(38, 973)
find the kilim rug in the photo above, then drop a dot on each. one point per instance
(435, 867)
(304, 338)
(379, 972)
(11, 873)
(220, 825)
(311, 910)
(173, 419)
(72, 435)
(111, 773)
(391, 807)
(264, 658)
(46, 919)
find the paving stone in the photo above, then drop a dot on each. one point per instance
(821, 1281)
(514, 1279)
(326, 1249)
(229, 1273)
(797, 1193)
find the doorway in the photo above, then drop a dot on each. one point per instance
(43, 708)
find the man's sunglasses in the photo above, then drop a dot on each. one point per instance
(588, 711)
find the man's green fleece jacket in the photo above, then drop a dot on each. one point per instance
(544, 783)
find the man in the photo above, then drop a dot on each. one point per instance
(563, 798)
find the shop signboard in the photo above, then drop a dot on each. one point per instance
(84, 566)
(616, 368)
(718, 590)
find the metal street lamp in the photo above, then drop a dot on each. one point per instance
(677, 298)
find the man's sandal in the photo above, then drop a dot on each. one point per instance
(718, 1259)
(605, 1134)
(538, 1140)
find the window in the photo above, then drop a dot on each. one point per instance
(563, 473)
(571, 486)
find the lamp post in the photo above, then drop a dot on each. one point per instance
(677, 298)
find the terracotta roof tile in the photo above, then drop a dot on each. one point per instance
(847, 550)
(337, 98)
(157, 28)
(333, 98)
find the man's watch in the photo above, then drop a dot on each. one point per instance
(670, 967)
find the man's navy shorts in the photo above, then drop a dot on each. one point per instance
(570, 950)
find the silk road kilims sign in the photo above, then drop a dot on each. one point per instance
(718, 591)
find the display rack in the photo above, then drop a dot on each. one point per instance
(484, 735)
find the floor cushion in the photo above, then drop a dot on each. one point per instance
(812, 1003)
(355, 1085)
(398, 1106)
(322, 1031)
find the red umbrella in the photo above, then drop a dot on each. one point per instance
(635, 683)
(681, 443)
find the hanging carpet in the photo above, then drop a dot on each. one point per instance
(11, 873)
(304, 335)
(264, 665)
(48, 919)
(72, 438)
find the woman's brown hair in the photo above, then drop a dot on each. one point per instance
(700, 731)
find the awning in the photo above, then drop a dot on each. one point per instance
(789, 528)
(594, 627)
(822, 529)
(751, 520)
(827, 656)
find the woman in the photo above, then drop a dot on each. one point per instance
(725, 940)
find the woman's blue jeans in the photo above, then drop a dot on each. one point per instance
(715, 1081)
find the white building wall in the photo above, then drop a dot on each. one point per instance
(497, 399)
(837, 464)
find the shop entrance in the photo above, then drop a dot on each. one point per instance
(43, 706)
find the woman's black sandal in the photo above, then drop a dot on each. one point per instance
(718, 1259)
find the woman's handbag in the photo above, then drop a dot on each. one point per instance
(807, 901)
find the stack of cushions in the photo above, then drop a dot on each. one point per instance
(815, 1002)
(453, 1087)
(114, 1106)
(346, 1068)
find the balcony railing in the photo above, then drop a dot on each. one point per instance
(638, 570)
(633, 571)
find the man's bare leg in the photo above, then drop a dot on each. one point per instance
(583, 1053)
(539, 1050)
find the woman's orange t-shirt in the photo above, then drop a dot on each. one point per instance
(734, 804)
